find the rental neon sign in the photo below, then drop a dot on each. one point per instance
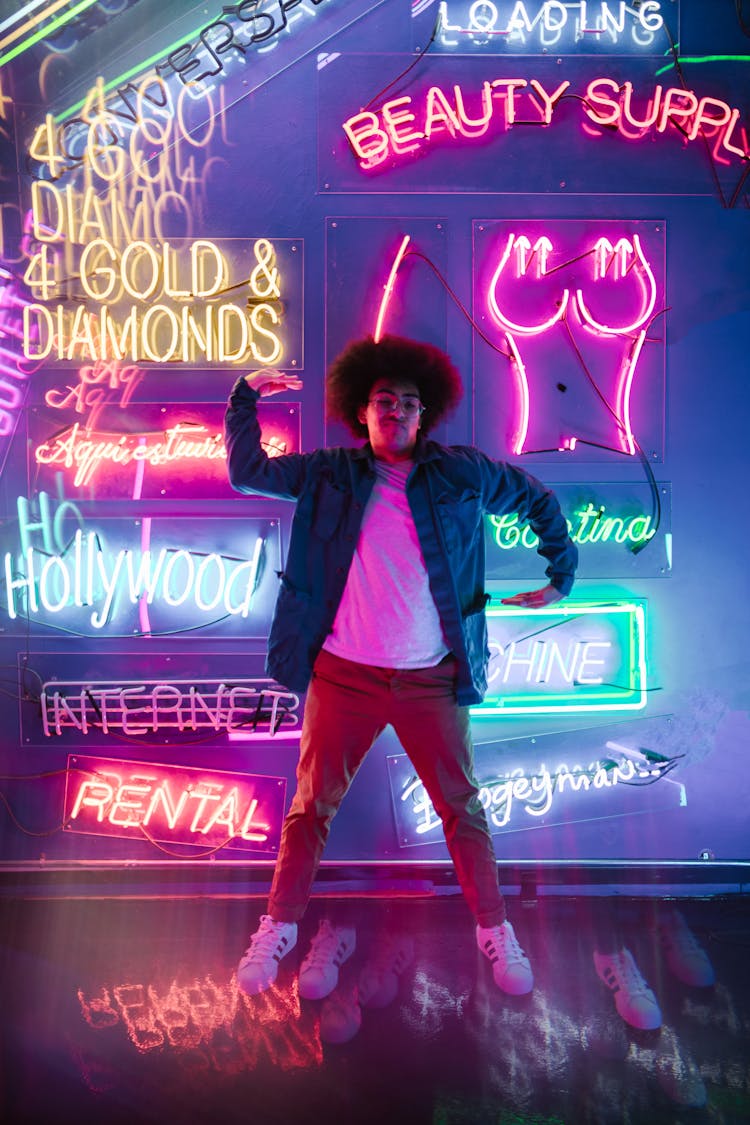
(571, 657)
(171, 804)
(409, 125)
(259, 709)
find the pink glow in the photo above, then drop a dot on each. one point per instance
(606, 253)
(523, 387)
(388, 288)
(524, 257)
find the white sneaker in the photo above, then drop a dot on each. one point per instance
(510, 965)
(319, 973)
(686, 959)
(634, 1000)
(258, 968)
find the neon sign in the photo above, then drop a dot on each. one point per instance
(257, 708)
(574, 305)
(171, 804)
(468, 25)
(518, 794)
(410, 125)
(74, 574)
(567, 658)
(159, 304)
(589, 525)
(175, 451)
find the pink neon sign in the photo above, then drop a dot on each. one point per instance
(573, 305)
(410, 125)
(173, 805)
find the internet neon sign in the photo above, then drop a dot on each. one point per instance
(408, 126)
(175, 805)
(567, 658)
(255, 709)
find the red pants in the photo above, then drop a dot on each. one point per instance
(347, 707)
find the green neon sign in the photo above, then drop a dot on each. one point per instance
(571, 657)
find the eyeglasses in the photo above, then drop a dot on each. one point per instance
(410, 404)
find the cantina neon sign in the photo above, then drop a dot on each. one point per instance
(173, 804)
(589, 525)
(258, 708)
(409, 125)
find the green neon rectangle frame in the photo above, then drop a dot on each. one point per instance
(588, 698)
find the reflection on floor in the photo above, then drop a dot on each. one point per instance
(127, 1010)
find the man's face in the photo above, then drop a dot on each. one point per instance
(391, 427)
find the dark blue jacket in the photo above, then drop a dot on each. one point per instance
(449, 489)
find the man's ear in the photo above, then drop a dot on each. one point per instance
(362, 415)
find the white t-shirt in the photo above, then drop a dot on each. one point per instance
(387, 616)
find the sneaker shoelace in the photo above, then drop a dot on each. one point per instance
(264, 942)
(324, 947)
(625, 974)
(508, 943)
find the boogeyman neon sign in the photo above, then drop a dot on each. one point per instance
(154, 303)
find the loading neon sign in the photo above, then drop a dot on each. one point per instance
(405, 126)
(484, 23)
(174, 804)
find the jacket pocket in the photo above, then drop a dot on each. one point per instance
(328, 508)
(460, 516)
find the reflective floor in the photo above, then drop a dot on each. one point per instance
(127, 1010)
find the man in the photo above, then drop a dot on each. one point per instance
(381, 614)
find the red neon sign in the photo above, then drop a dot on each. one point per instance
(174, 805)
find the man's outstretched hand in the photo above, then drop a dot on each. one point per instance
(535, 599)
(269, 381)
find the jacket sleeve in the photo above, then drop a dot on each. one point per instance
(509, 489)
(250, 468)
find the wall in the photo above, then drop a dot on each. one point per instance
(188, 197)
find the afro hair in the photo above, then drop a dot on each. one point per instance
(353, 374)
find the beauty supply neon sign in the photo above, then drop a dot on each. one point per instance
(173, 804)
(586, 25)
(259, 709)
(408, 126)
(161, 304)
(566, 658)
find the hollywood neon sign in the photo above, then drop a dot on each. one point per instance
(519, 797)
(176, 312)
(568, 658)
(409, 125)
(87, 575)
(549, 24)
(258, 709)
(173, 804)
